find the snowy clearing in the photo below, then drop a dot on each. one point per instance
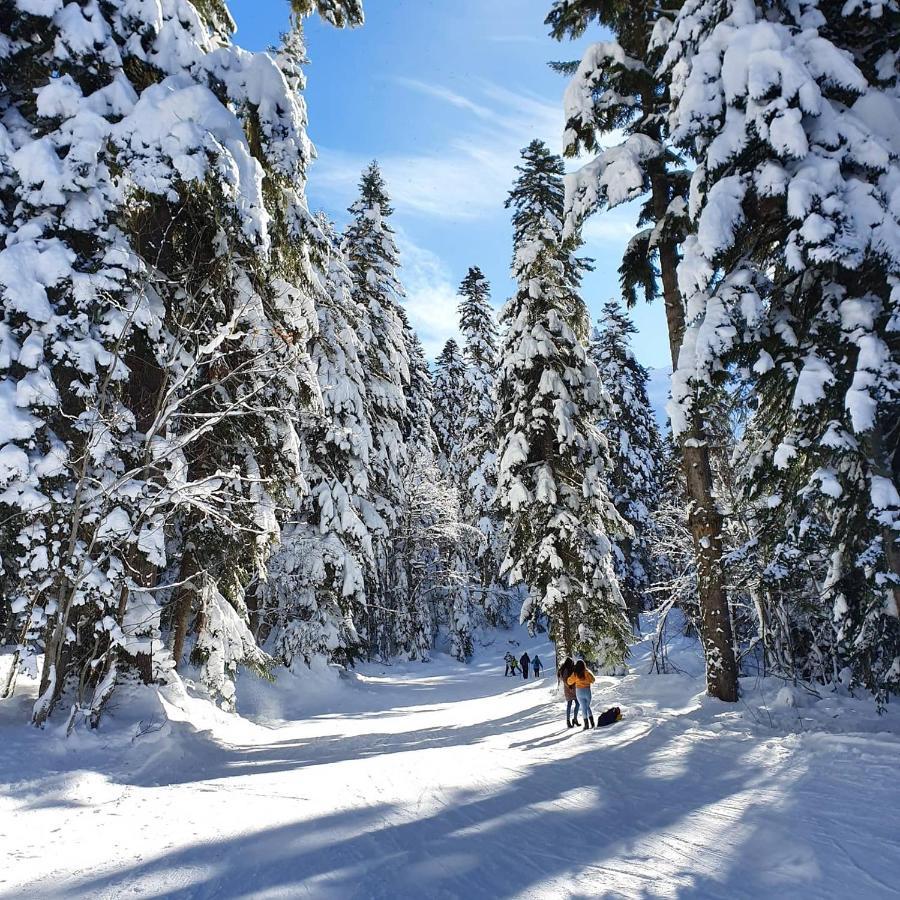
(445, 780)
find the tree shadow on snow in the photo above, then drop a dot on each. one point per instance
(621, 818)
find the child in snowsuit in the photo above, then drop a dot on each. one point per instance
(525, 659)
(512, 664)
(565, 670)
(581, 679)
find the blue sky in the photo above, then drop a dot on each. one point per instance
(444, 93)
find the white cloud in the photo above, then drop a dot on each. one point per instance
(659, 387)
(612, 226)
(449, 96)
(470, 176)
(431, 297)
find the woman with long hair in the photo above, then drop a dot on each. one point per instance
(562, 674)
(581, 679)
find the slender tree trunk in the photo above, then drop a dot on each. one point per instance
(704, 517)
(566, 630)
(183, 602)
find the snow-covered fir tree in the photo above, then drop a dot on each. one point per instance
(475, 462)
(373, 259)
(417, 556)
(339, 13)
(449, 402)
(553, 460)
(70, 315)
(315, 585)
(794, 273)
(617, 106)
(420, 435)
(635, 448)
(152, 445)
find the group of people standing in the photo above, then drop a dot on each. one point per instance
(525, 661)
(577, 679)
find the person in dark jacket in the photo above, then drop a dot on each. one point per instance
(563, 673)
(524, 660)
(536, 666)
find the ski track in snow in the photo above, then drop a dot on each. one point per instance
(451, 781)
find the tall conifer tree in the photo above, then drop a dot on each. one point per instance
(449, 403)
(373, 259)
(794, 273)
(616, 88)
(476, 458)
(553, 459)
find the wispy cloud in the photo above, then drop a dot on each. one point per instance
(467, 179)
(616, 226)
(469, 176)
(447, 95)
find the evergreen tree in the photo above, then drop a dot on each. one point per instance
(373, 259)
(340, 13)
(616, 89)
(417, 553)
(475, 461)
(449, 402)
(420, 396)
(315, 588)
(553, 459)
(635, 447)
(150, 213)
(793, 274)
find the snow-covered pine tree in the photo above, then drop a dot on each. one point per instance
(315, 585)
(339, 13)
(615, 90)
(420, 435)
(69, 318)
(635, 448)
(794, 272)
(147, 237)
(431, 583)
(428, 498)
(373, 259)
(449, 403)
(475, 462)
(553, 459)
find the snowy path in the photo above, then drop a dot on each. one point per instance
(444, 781)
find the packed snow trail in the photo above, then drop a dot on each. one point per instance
(451, 781)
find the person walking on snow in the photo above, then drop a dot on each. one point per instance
(512, 664)
(581, 679)
(536, 666)
(525, 659)
(562, 674)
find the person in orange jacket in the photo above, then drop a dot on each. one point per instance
(563, 673)
(582, 679)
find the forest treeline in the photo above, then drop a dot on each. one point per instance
(222, 446)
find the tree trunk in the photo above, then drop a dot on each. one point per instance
(715, 619)
(705, 519)
(566, 630)
(183, 602)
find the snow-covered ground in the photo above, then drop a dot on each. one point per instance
(451, 781)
